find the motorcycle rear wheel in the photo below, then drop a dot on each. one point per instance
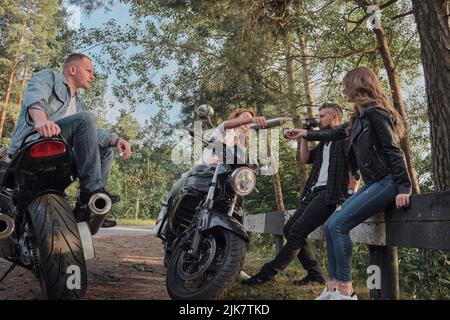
(212, 279)
(59, 259)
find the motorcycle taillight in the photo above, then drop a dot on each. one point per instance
(47, 149)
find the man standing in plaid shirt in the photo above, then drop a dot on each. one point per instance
(328, 185)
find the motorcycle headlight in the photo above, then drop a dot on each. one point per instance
(243, 181)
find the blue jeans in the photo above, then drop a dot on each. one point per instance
(368, 201)
(93, 162)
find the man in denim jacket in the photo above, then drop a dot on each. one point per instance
(51, 106)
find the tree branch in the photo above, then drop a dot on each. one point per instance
(402, 15)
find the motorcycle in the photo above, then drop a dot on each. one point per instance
(201, 227)
(38, 229)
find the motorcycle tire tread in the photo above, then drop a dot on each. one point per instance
(218, 288)
(56, 236)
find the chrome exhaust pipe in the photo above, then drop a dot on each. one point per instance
(99, 205)
(6, 229)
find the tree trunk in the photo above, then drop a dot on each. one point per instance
(9, 83)
(399, 104)
(290, 74)
(136, 212)
(279, 240)
(307, 81)
(22, 90)
(433, 26)
(6, 99)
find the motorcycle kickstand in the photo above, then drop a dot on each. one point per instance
(11, 268)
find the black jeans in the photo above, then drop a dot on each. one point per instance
(312, 213)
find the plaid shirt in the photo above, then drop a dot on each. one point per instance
(337, 183)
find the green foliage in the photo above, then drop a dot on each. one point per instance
(424, 274)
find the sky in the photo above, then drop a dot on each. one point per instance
(120, 13)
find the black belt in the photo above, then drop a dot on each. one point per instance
(317, 189)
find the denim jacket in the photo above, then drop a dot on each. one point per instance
(49, 92)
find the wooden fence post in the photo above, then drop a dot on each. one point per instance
(386, 258)
(392, 288)
(375, 255)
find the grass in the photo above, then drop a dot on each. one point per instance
(282, 288)
(133, 222)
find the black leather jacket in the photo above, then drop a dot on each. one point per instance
(372, 147)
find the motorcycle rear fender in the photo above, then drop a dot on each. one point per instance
(220, 220)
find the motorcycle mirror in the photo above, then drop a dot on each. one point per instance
(205, 112)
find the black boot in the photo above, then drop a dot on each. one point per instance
(309, 280)
(85, 197)
(114, 197)
(81, 211)
(258, 279)
(109, 223)
(271, 269)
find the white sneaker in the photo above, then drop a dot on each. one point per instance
(243, 275)
(325, 295)
(336, 295)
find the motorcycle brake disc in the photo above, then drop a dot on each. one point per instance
(186, 262)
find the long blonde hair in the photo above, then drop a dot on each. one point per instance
(362, 86)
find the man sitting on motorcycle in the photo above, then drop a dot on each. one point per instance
(51, 106)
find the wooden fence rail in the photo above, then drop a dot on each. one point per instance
(424, 224)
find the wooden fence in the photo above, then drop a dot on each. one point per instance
(424, 224)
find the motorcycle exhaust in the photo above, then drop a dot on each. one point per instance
(6, 229)
(99, 204)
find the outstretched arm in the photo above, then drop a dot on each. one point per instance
(237, 122)
(338, 133)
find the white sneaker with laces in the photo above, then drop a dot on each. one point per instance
(336, 295)
(325, 295)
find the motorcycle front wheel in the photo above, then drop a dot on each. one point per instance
(210, 274)
(57, 252)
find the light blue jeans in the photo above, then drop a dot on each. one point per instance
(368, 201)
(93, 162)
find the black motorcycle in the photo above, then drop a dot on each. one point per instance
(201, 226)
(38, 229)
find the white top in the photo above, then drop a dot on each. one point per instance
(208, 156)
(72, 107)
(323, 174)
(220, 135)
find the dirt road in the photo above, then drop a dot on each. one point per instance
(128, 265)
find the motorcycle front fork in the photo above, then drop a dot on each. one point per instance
(201, 224)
